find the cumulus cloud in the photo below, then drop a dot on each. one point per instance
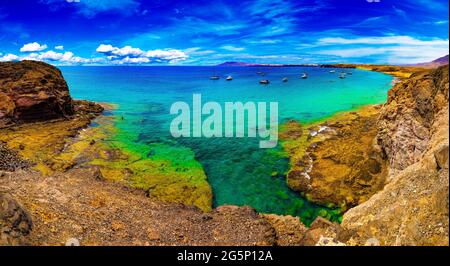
(59, 47)
(66, 58)
(33, 47)
(54, 56)
(9, 57)
(232, 48)
(131, 55)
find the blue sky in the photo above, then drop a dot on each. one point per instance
(133, 32)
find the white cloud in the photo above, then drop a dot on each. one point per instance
(59, 47)
(9, 57)
(132, 60)
(66, 58)
(399, 40)
(131, 55)
(128, 51)
(388, 49)
(232, 48)
(169, 54)
(124, 51)
(33, 47)
(440, 22)
(265, 41)
(196, 51)
(54, 56)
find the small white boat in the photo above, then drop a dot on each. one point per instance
(342, 76)
(215, 77)
(229, 78)
(285, 79)
(332, 71)
(304, 76)
(264, 81)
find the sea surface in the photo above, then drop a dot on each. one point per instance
(238, 171)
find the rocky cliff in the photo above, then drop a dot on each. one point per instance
(406, 120)
(413, 131)
(32, 91)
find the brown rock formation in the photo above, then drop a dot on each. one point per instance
(77, 205)
(407, 117)
(413, 208)
(340, 167)
(32, 91)
(15, 222)
(289, 230)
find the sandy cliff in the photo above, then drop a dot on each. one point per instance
(413, 129)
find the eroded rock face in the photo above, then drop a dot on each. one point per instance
(413, 208)
(289, 231)
(406, 119)
(32, 91)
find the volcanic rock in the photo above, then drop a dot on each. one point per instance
(32, 91)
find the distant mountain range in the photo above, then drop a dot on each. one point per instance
(232, 63)
(435, 63)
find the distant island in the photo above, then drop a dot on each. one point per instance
(441, 61)
(240, 64)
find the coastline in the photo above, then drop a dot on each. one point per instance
(96, 147)
(81, 153)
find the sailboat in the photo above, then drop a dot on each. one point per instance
(304, 76)
(229, 78)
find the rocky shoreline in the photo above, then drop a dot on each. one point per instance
(334, 163)
(389, 161)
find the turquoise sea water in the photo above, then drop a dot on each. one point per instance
(238, 170)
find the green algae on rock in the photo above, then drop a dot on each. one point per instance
(166, 172)
(333, 161)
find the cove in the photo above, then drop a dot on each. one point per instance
(238, 171)
(240, 120)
